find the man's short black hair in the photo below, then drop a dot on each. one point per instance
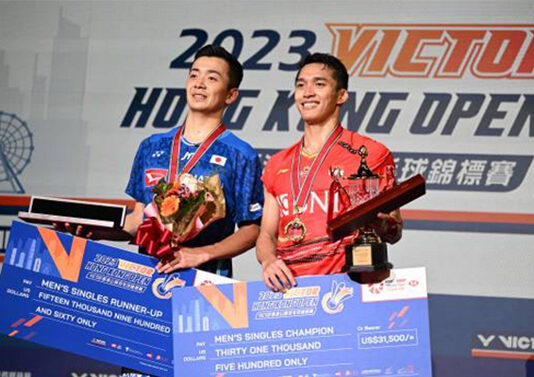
(235, 69)
(340, 72)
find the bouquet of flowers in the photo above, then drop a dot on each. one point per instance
(179, 211)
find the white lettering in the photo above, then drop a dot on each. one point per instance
(485, 341)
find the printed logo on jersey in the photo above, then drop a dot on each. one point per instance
(152, 176)
(218, 160)
(254, 207)
(282, 171)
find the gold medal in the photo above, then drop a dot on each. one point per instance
(295, 230)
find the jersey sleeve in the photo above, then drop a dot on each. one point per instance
(248, 190)
(267, 177)
(135, 186)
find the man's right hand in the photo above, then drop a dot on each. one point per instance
(277, 275)
(78, 230)
(131, 223)
(93, 233)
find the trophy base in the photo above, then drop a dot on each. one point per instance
(372, 277)
(371, 268)
(367, 263)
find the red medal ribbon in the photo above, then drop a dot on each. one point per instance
(301, 197)
(175, 153)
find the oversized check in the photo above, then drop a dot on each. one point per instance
(90, 299)
(327, 326)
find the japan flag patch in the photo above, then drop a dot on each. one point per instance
(218, 160)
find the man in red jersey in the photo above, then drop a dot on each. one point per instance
(297, 181)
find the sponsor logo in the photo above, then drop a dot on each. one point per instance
(153, 176)
(157, 154)
(235, 313)
(402, 284)
(98, 342)
(376, 288)
(332, 301)
(133, 351)
(255, 207)
(398, 318)
(407, 369)
(67, 264)
(218, 160)
(136, 268)
(503, 345)
(371, 372)
(161, 288)
(435, 50)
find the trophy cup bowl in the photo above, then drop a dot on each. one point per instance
(367, 253)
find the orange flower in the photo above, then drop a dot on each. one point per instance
(170, 206)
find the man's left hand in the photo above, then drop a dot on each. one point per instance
(184, 257)
(388, 226)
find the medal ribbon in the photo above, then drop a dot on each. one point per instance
(204, 146)
(300, 198)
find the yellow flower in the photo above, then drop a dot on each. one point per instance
(170, 206)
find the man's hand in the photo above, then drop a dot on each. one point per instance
(131, 223)
(77, 230)
(277, 275)
(184, 257)
(92, 232)
(388, 226)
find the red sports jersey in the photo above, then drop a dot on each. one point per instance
(316, 254)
